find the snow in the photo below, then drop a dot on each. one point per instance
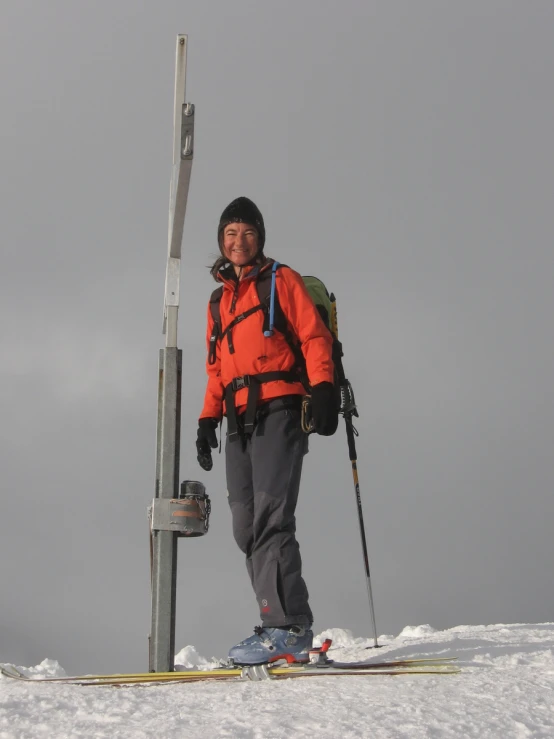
(505, 690)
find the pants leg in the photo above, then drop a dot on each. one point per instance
(241, 498)
(263, 507)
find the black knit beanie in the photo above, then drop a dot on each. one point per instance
(243, 210)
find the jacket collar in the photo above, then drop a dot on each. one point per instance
(228, 277)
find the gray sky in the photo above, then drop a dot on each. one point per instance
(402, 152)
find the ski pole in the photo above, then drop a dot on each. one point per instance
(348, 410)
(350, 433)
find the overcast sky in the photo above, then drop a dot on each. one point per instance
(402, 151)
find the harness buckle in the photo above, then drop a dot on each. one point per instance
(241, 382)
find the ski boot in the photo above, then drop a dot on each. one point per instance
(292, 643)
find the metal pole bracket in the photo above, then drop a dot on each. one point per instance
(187, 131)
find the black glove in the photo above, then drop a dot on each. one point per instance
(206, 438)
(325, 412)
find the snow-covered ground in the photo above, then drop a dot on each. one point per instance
(505, 690)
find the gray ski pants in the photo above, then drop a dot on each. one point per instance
(263, 479)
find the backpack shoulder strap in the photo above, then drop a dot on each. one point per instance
(215, 301)
(215, 310)
(263, 284)
(280, 322)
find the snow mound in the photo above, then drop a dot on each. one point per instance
(340, 638)
(416, 632)
(47, 668)
(189, 658)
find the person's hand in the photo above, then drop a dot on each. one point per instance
(206, 441)
(325, 413)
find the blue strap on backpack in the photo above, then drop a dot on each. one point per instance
(272, 300)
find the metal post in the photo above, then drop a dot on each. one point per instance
(164, 543)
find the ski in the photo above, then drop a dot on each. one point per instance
(410, 662)
(424, 666)
(263, 672)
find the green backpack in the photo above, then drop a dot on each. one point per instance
(324, 302)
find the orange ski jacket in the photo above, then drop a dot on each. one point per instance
(255, 353)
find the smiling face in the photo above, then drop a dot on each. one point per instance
(239, 244)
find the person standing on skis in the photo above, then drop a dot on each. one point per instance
(254, 380)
